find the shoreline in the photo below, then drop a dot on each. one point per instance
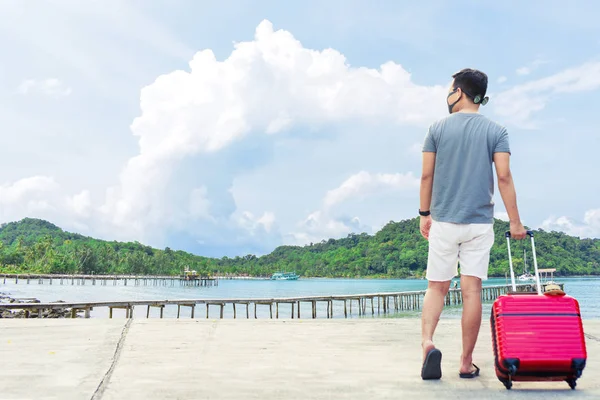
(221, 276)
(54, 313)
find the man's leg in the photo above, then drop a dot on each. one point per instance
(441, 268)
(433, 304)
(471, 319)
(474, 258)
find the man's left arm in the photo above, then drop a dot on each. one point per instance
(426, 189)
(427, 180)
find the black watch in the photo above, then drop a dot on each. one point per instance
(424, 213)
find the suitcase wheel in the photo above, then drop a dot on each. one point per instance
(507, 383)
(572, 383)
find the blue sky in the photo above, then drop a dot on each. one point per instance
(228, 128)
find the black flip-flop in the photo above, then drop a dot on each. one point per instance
(432, 366)
(469, 375)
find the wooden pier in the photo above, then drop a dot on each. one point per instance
(347, 305)
(104, 280)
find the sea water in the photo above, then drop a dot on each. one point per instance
(585, 290)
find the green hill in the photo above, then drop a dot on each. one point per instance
(397, 250)
(31, 230)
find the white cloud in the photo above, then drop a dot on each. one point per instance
(251, 223)
(321, 225)
(267, 220)
(265, 86)
(80, 203)
(519, 103)
(502, 79)
(43, 197)
(364, 184)
(50, 87)
(532, 66)
(27, 193)
(588, 228)
(503, 215)
(329, 222)
(199, 203)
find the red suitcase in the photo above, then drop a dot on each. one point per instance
(537, 337)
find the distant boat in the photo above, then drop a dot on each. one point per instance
(284, 276)
(526, 277)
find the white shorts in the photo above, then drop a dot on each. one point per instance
(467, 244)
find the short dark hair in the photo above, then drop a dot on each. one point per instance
(471, 81)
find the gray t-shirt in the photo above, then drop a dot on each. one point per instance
(463, 180)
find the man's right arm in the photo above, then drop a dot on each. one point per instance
(509, 196)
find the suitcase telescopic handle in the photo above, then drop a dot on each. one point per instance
(535, 265)
(529, 233)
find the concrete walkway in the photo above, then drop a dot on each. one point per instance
(253, 359)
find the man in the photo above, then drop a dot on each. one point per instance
(457, 211)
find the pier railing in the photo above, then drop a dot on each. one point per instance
(136, 280)
(365, 304)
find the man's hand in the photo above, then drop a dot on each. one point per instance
(517, 231)
(426, 226)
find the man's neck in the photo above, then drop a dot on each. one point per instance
(469, 110)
